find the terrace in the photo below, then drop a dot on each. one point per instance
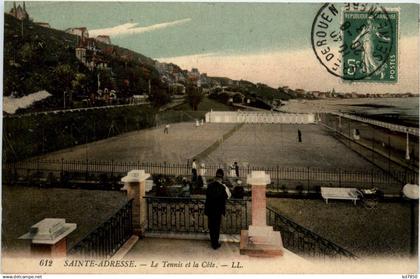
(177, 232)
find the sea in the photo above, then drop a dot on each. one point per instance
(403, 111)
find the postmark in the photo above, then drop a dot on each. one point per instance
(357, 42)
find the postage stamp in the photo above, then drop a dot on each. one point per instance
(223, 138)
(357, 41)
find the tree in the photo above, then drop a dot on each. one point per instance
(159, 95)
(27, 53)
(63, 77)
(194, 96)
(106, 79)
(79, 83)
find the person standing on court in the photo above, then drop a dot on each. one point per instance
(215, 206)
(166, 130)
(236, 169)
(194, 171)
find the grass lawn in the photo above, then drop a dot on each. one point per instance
(206, 105)
(380, 231)
(24, 206)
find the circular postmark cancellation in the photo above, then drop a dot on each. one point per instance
(357, 41)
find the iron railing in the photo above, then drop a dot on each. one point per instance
(390, 126)
(303, 241)
(104, 241)
(299, 178)
(186, 215)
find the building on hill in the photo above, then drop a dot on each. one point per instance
(81, 54)
(177, 89)
(103, 39)
(87, 52)
(194, 74)
(109, 50)
(82, 32)
(19, 12)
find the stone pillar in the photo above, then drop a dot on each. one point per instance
(135, 185)
(41, 249)
(49, 237)
(260, 240)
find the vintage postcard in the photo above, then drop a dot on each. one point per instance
(222, 138)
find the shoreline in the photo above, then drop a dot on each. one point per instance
(364, 107)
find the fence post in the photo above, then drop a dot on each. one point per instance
(277, 177)
(54, 246)
(260, 239)
(135, 185)
(112, 167)
(339, 177)
(87, 170)
(308, 180)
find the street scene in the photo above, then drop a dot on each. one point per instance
(162, 138)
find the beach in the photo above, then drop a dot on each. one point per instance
(403, 111)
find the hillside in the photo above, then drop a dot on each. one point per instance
(38, 58)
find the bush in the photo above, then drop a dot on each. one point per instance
(299, 188)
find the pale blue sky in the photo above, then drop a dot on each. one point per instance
(214, 27)
(268, 43)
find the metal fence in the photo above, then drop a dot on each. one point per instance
(187, 215)
(383, 146)
(104, 241)
(390, 126)
(303, 241)
(283, 178)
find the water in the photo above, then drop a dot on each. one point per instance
(404, 111)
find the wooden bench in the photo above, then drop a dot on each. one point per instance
(340, 194)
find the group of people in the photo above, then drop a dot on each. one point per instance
(200, 172)
(198, 123)
(198, 175)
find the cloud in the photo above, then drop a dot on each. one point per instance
(132, 28)
(300, 69)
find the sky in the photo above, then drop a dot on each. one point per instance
(267, 43)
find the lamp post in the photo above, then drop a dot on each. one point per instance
(407, 147)
(411, 191)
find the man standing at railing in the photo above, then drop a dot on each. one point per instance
(216, 195)
(194, 171)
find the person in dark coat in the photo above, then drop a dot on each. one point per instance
(194, 171)
(299, 136)
(216, 195)
(236, 169)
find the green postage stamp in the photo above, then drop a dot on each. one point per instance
(371, 38)
(358, 42)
